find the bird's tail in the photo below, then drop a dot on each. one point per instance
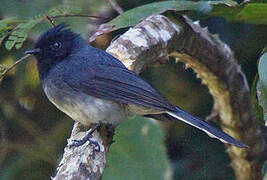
(206, 127)
(200, 124)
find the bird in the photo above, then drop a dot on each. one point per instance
(93, 87)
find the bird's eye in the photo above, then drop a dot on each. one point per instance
(55, 45)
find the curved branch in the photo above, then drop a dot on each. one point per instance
(156, 37)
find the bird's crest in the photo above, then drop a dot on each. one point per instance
(56, 32)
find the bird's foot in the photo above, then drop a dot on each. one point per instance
(86, 138)
(78, 143)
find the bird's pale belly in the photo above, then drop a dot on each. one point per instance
(84, 108)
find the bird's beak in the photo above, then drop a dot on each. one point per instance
(33, 51)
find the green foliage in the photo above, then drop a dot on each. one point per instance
(264, 170)
(138, 152)
(6, 26)
(258, 108)
(63, 10)
(262, 84)
(2, 68)
(43, 153)
(19, 34)
(254, 13)
(15, 31)
(135, 15)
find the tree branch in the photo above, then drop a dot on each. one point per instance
(84, 162)
(6, 70)
(115, 6)
(156, 37)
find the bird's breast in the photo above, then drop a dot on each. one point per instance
(81, 107)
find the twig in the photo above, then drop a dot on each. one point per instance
(50, 20)
(80, 15)
(115, 6)
(13, 65)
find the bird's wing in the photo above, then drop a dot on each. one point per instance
(118, 84)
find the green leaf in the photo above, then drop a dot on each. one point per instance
(264, 170)
(134, 16)
(6, 25)
(9, 44)
(138, 152)
(258, 108)
(3, 68)
(64, 9)
(8, 21)
(19, 35)
(262, 84)
(15, 36)
(254, 13)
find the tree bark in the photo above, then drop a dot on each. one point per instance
(84, 162)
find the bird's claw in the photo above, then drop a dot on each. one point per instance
(77, 143)
(86, 138)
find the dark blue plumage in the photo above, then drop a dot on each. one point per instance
(91, 86)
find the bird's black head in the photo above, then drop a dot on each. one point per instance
(53, 46)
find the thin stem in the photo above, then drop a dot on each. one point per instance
(13, 65)
(79, 15)
(50, 20)
(115, 6)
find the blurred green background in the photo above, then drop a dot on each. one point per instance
(34, 132)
